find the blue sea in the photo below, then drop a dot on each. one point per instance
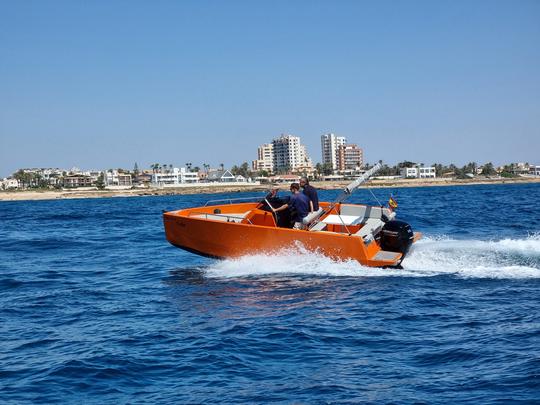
(97, 308)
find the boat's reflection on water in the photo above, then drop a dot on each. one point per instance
(191, 289)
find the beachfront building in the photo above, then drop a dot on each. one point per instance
(289, 154)
(75, 181)
(173, 177)
(534, 170)
(9, 184)
(409, 172)
(221, 176)
(330, 144)
(52, 176)
(426, 173)
(350, 157)
(520, 169)
(143, 179)
(114, 178)
(284, 178)
(42, 176)
(265, 159)
(419, 172)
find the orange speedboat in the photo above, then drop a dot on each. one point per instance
(369, 234)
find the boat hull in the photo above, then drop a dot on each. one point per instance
(223, 239)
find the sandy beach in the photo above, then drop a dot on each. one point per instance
(205, 189)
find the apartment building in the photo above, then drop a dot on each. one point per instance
(174, 177)
(289, 154)
(350, 157)
(330, 144)
(265, 158)
(114, 178)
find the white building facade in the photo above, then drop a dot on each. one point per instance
(114, 178)
(289, 154)
(426, 173)
(9, 184)
(174, 177)
(330, 144)
(265, 158)
(409, 172)
(418, 172)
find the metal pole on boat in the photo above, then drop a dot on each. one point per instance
(347, 191)
(351, 188)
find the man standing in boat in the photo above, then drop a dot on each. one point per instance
(298, 205)
(311, 193)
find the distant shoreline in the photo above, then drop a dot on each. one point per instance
(28, 195)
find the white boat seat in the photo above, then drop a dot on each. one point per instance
(364, 212)
(356, 210)
(236, 217)
(312, 216)
(318, 227)
(370, 228)
(341, 219)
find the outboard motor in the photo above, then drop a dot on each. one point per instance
(396, 236)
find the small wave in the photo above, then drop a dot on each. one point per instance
(432, 256)
(506, 258)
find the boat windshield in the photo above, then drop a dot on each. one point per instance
(223, 201)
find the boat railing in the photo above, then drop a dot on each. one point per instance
(233, 200)
(234, 217)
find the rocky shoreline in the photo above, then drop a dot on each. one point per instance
(26, 195)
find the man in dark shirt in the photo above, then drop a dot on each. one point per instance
(272, 201)
(298, 205)
(311, 193)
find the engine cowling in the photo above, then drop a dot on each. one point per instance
(396, 236)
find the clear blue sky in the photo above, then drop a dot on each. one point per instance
(101, 84)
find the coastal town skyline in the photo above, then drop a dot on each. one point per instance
(331, 147)
(318, 158)
(175, 82)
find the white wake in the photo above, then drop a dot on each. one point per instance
(506, 258)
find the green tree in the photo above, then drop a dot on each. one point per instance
(385, 170)
(24, 178)
(100, 182)
(327, 169)
(488, 169)
(405, 164)
(508, 171)
(318, 169)
(439, 169)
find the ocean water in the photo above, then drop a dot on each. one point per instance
(96, 307)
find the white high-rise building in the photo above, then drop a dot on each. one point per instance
(330, 144)
(289, 154)
(265, 158)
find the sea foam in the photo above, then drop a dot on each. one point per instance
(431, 256)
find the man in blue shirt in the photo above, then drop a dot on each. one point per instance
(311, 193)
(298, 205)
